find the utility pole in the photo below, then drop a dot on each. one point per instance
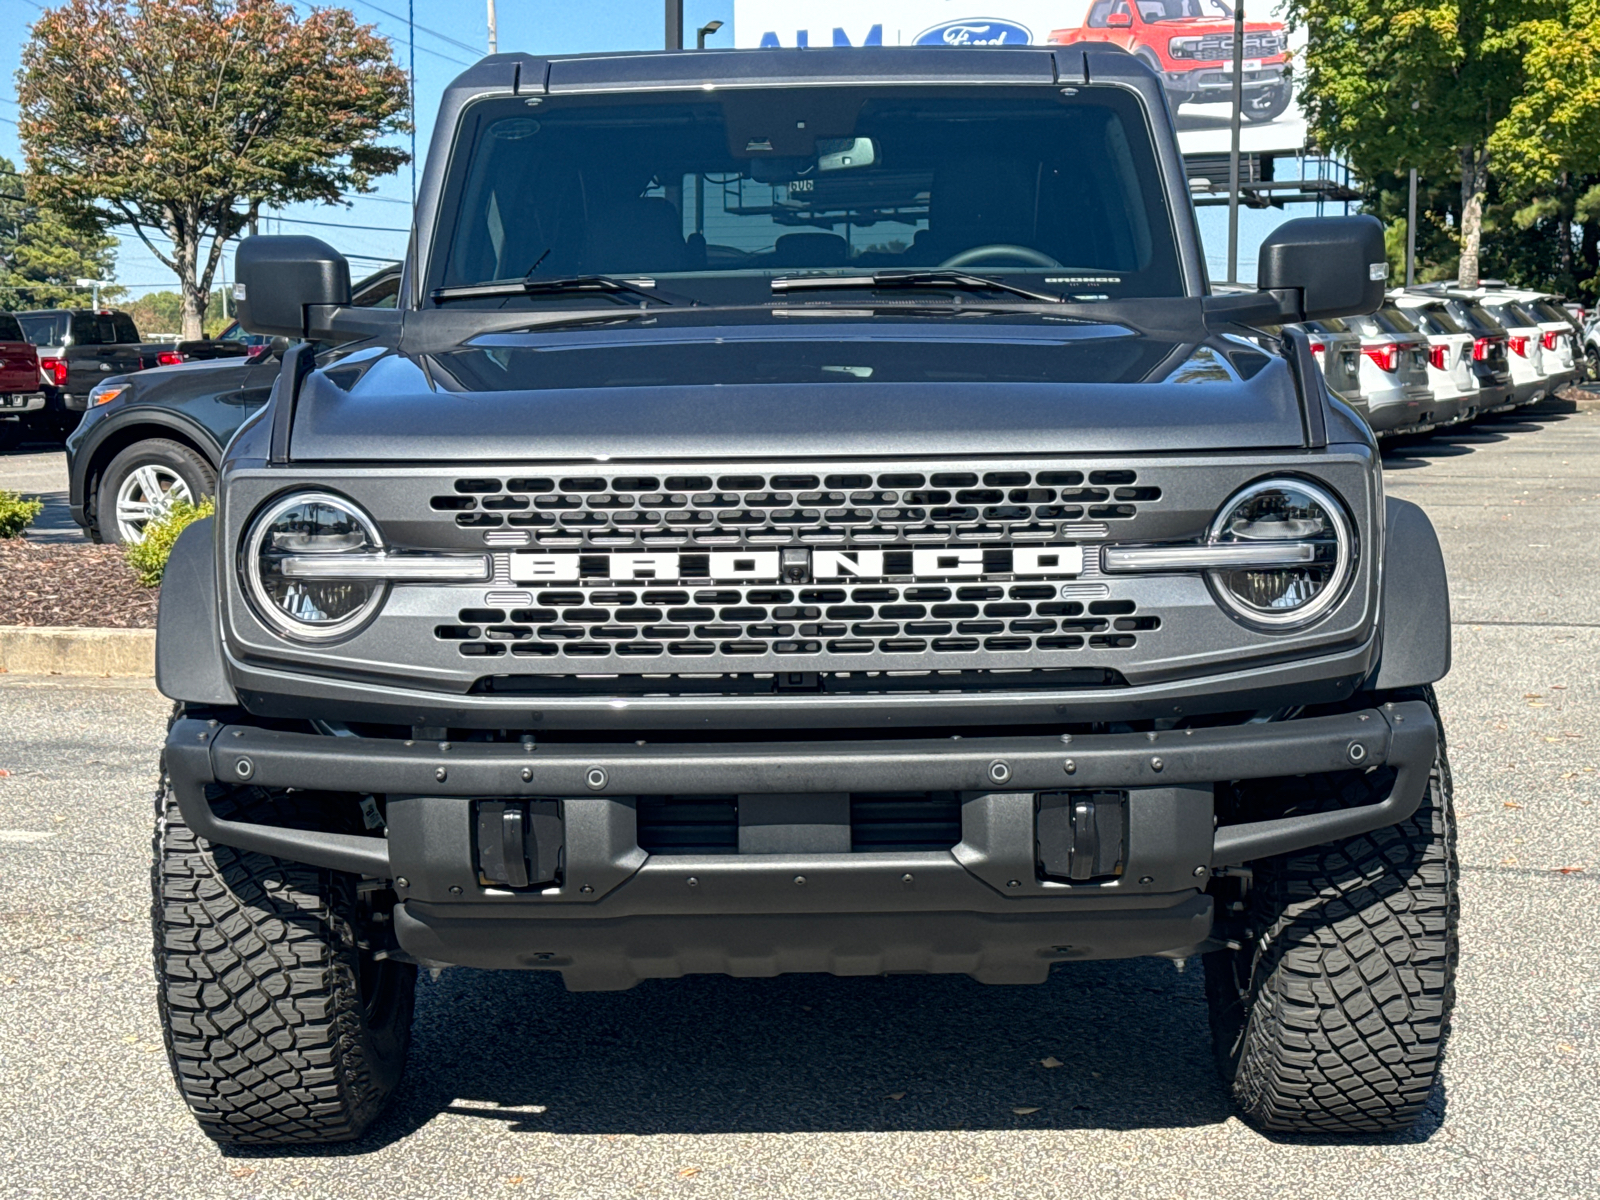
(494, 35)
(674, 36)
(1411, 232)
(411, 47)
(1233, 145)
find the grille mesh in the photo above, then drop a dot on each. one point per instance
(697, 622)
(775, 509)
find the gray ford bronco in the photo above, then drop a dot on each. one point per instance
(808, 512)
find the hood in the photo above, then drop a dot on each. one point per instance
(801, 386)
(1189, 26)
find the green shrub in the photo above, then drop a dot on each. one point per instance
(148, 557)
(16, 514)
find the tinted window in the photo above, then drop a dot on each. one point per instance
(725, 193)
(1548, 312)
(102, 329)
(1510, 315)
(10, 331)
(1395, 320)
(45, 329)
(1437, 320)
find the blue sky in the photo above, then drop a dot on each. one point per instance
(373, 226)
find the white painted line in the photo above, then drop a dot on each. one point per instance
(24, 836)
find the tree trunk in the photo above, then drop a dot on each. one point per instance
(1474, 183)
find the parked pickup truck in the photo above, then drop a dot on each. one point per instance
(20, 389)
(78, 348)
(806, 513)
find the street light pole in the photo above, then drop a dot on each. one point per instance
(494, 35)
(96, 284)
(1233, 145)
(1411, 232)
(674, 34)
(704, 32)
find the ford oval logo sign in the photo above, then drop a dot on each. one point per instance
(975, 31)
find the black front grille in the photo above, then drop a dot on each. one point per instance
(689, 623)
(866, 508)
(880, 822)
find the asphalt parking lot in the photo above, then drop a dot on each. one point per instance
(814, 1086)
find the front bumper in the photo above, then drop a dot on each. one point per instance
(1216, 82)
(618, 914)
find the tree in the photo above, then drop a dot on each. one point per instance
(162, 312)
(1395, 84)
(42, 257)
(182, 118)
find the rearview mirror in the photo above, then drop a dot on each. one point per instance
(839, 154)
(281, 276)
(1324, 267)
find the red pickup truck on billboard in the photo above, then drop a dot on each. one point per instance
(1189, 43)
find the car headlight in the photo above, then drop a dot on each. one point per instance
(1183, 47)
(105, 393)
(1284, 511)
(322, 528)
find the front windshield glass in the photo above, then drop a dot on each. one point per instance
(720, 193)
(1155, 11)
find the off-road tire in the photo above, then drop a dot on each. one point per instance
(280, 1030)
(1277, 103)
(197, 474)
(1333, 1015)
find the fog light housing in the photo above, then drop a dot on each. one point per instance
(300, 525)
(1284, 510)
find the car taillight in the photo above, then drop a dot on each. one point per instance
(1480, 348)
(1550, 338)
(1519, 344)
(54, 369)
(1436, 355)
(1318, 347)
(1387, 356)
(168, 358)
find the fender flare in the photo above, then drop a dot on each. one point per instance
(137, 415)
(189, 665)
(1415, 605)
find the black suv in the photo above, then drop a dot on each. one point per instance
(806, 513)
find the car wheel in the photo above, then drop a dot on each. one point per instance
(1592, 353)
(142, 482)
(284, 1026)
(1330, 1011)
(1267, 104)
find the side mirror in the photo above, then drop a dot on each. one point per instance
(1120, 20)
(1324, 267)
(281, 276)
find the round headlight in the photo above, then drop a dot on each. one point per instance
(285, 535)
(1307, 520)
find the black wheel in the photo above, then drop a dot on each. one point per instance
(1333, 1016)
(1267, 104)
(1591, 354)
(141, 483)
(281, 1027)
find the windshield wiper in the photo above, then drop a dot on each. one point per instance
(567, 285)
(946, 280)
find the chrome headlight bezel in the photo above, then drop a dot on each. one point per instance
(1328, 597)
(262, 603)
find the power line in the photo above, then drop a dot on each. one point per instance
(434, 32)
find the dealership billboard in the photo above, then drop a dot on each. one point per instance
(1188, 42)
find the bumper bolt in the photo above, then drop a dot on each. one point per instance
(527, 774)
(1013, 883)
(596, 778)
(440, 774)
(587, 888)
(402, 882)
(1358, 752)
(244, 768)
(1156, 764)
(908, 878)
(693, 882)
(999, 772)
(1147, 879)
(455, 889)
(1066, 739)
(1199, 871)
(799, 881)
(1070, 767)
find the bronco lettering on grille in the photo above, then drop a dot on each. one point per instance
(956, 562)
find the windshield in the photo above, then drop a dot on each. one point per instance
(720, 195)
(1155, 11)
(46, 329)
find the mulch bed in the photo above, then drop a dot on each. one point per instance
(71, 585)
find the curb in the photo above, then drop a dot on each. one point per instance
(65, 650)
